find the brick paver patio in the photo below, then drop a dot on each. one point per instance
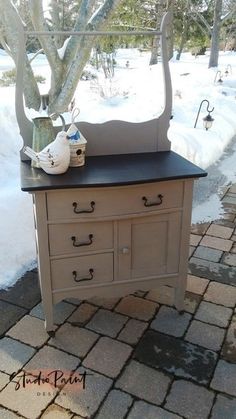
(129, 358)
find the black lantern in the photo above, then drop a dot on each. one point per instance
(227, 70)
(207, 120)
(220, 81)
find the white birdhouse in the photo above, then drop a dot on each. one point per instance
(77, 143)
(77, 151)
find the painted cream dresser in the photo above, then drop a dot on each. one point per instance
(121, 222)
(118, 225)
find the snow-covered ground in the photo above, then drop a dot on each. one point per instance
(135, 91)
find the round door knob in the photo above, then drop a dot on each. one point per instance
(125, 250)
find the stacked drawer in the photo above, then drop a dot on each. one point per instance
(81, 253)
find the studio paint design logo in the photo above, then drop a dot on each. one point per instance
(48, 380)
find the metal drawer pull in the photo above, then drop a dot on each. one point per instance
(74, 273)
(151, 204)
(77, 244)
(75, 205)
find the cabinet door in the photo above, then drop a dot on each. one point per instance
(149, 246)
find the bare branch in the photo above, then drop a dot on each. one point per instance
(4, 42)
(39, 23)
(194, 12)
(85, 11)
(47, 43)
(35, 55)
(230, 14)
(202, 27)
(103, 14)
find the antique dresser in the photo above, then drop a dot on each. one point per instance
(122, 221)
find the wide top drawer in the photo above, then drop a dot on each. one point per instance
(102, 202)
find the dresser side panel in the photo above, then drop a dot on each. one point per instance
(184, 244)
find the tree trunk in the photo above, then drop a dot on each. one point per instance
(181, 47)
(154, 51)
(170, 8)
(155, 39)
(215, 39)
(57, 22)
(183, 36)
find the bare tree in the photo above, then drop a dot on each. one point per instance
(66, 64)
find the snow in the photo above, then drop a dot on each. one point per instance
(61, 51)
(135, 94)
(211, 206)
(97, 11)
